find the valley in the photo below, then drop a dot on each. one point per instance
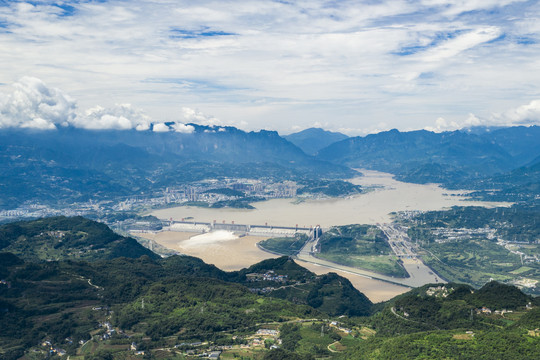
(269, 180)
(387, 195)
(374, 207)
(181, 308)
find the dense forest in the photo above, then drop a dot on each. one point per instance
(180, 308)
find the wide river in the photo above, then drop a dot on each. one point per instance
(369, 208)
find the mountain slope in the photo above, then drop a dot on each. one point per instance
(314, 139)
(521, 184)
(61, 238)
(72, 165)
(448, 158)
(329, 293)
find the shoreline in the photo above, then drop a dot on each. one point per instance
(240, 253)
(367, 208)
(373, 207)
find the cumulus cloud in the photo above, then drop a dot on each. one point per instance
(160, 127)
(195, 116)
(441, 124)
(528, 114)
(183, 128)
(119, 117)
(176, 127)
(33, 104)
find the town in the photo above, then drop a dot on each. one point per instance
(204, 193)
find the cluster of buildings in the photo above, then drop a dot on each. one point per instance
(513, 248)
(34, 211)
(340, 327)
(487, 311)
(270, 275)
(197, 192)
(446, 235)
(439, 291)
(53, 350)
(210, 191)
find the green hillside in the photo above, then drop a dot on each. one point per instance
(60, 238)
(181, 308)
(361, 246)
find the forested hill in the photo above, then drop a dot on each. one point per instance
(451, 158)
(62, 238)
(521, 184)
(441, 321)
(330, 293)
(179, 298)
(69, 164)
(177, 306)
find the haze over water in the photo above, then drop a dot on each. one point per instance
(369, 208)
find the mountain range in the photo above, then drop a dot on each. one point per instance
(465, 153)
(314, 139)
(69, 164)
(75, 165)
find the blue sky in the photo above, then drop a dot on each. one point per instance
(350, 66)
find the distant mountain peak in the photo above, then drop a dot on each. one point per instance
(312, 140)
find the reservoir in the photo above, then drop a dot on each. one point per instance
(369, 208)
(387, 195)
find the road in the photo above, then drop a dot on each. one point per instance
(419, 273)
(398, 240)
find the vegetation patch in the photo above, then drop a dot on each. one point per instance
(284, 245)
(361, 246)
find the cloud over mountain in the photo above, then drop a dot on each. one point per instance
(119, 117)
(278, 64)
(33, 104)
(528, 114)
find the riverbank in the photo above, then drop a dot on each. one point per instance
(369, 208)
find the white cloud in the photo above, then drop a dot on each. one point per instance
(277, 63)
(119, 117)
(442, 125)
(528, 114)
(33, 104)
(160, 127)
(176, 126)
(456, 7)
(38, 123)
(190, 115)
(453, 47)
(183, 128)
(373, 129)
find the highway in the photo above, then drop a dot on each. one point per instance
(419, 273)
